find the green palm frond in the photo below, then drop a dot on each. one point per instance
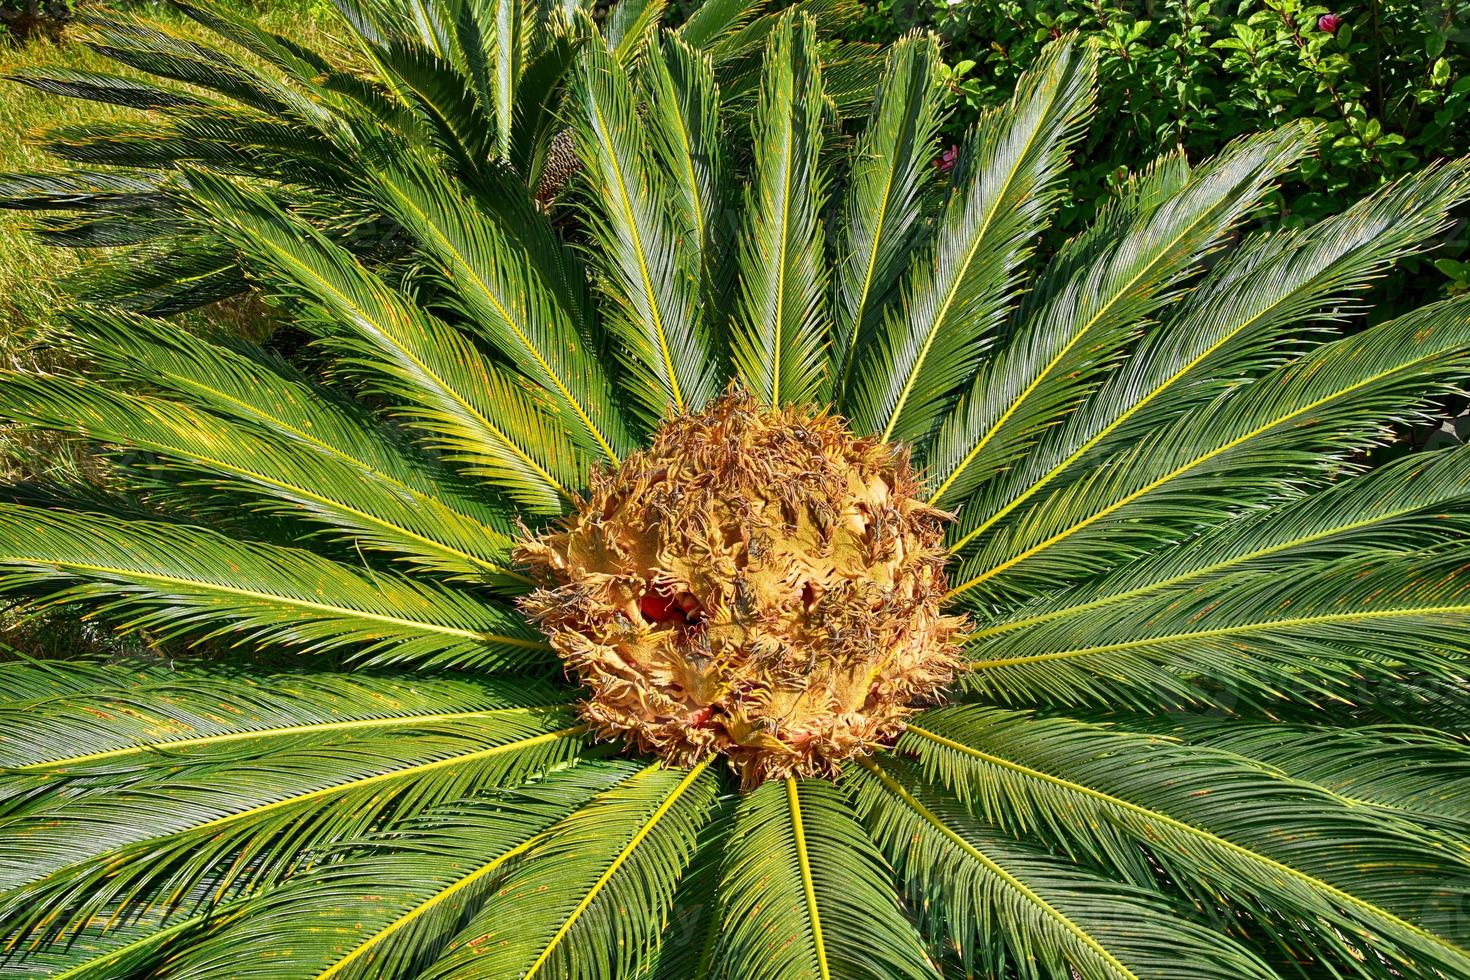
(955, 300)
(272, 48)
(188, 580)
(211, 818)
(244, 383)
(650, 266)
(430, 874)
(1416, 502)
(466, 404)
(1308, 633)
(28, 680)
(129, 717)
(1010, 909)
(154, 49)
(629, 26)
(106, 88)
(1408, 774)
(805, 893)
(494, 283)
(884, 201)
(290, 479)
(1298, 420)
(778, 338)
(1244, 316)
(591, 894)
(1338, 870)
(1092, 299)
(683, 120)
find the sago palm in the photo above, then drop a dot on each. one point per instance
(768, 568)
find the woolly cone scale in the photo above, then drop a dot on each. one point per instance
(758, 583)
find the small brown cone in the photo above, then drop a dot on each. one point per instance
(758, 583)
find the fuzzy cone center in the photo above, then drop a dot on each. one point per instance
(758, 583)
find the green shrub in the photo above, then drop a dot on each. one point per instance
(1388, 82)
(20, 19)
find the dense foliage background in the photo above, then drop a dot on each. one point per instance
(1388, 82)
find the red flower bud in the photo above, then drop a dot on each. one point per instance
(1329, 23)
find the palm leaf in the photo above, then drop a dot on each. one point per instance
(1239, 318)
(709, 21)
(884, 206)
(650, 271)
(683, 124)
(1309, 633)
(778, 336)
(1090, 302)
(467, 405)
(1009, 909)
(1299, 420)
(244, 383)
(106, 88)
(151, 48)
(429, 875)
(1013, 160)
(1404, 506)
(230, 823)
(498, 289)
(187, 580)
(288, 55)
(290, 479)
(1412, 775)
(430, 87)
(805, 894)
(629, 27)
(589, 895)
(1336, 870)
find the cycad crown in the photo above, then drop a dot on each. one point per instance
(1210, 717)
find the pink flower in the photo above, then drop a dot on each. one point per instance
(945, 162)
(1329, 23)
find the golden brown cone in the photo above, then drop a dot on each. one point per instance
(758, 583)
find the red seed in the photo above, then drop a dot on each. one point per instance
(657, 607)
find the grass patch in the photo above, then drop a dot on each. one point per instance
(32, 275)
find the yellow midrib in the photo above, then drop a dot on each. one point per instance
(784, 245)
(277, 731)
(1107, 430)
(618, 862)
(943, 312)
(383, 777)
(1107, 600)
(648, 291)
(505, 440)
(1050, 910)
(295, 488)
(1222, 631)
(510, 321)
(423, 908)
(868, 273)
(808, 888)
(283, 600)
(1287, 870)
